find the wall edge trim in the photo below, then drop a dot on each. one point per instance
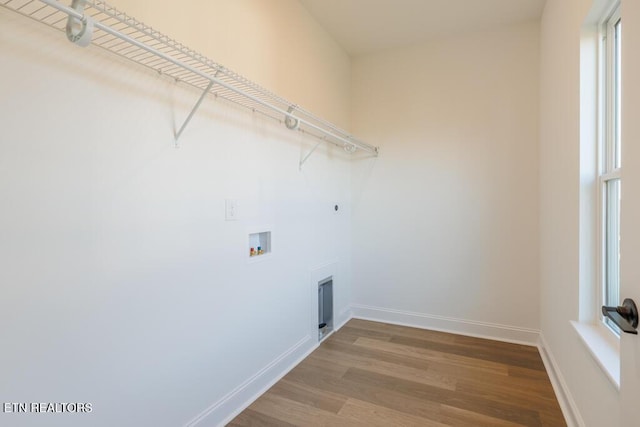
(563, 393)
(493, 331)
(225, 409)
(228, 407)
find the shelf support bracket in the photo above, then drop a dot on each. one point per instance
(193, 110)
(309, 154)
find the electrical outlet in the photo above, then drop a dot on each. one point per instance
(231, 210)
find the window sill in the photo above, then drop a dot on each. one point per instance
(604, 348)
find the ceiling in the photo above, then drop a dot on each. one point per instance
(365, 26)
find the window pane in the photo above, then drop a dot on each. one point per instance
(612, 243)
(618, 93)
(611, 161)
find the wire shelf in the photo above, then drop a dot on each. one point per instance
(129, 38)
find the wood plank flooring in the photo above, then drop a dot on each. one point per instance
(376, 374)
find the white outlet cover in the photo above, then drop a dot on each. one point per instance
(231, 210)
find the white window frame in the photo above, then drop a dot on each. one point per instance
(608, 169)
(602, 343)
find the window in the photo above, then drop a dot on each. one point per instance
(610, 156)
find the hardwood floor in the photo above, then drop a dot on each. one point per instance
(376, 374)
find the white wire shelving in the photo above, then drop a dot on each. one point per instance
(96, 22)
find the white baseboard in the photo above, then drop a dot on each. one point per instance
(447, 324)
(226, 409)
(344, 316)
(565, 399)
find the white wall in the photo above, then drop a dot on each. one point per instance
(594, 397)
(121, 283)
(446, 219)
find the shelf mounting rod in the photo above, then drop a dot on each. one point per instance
(193, 110)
